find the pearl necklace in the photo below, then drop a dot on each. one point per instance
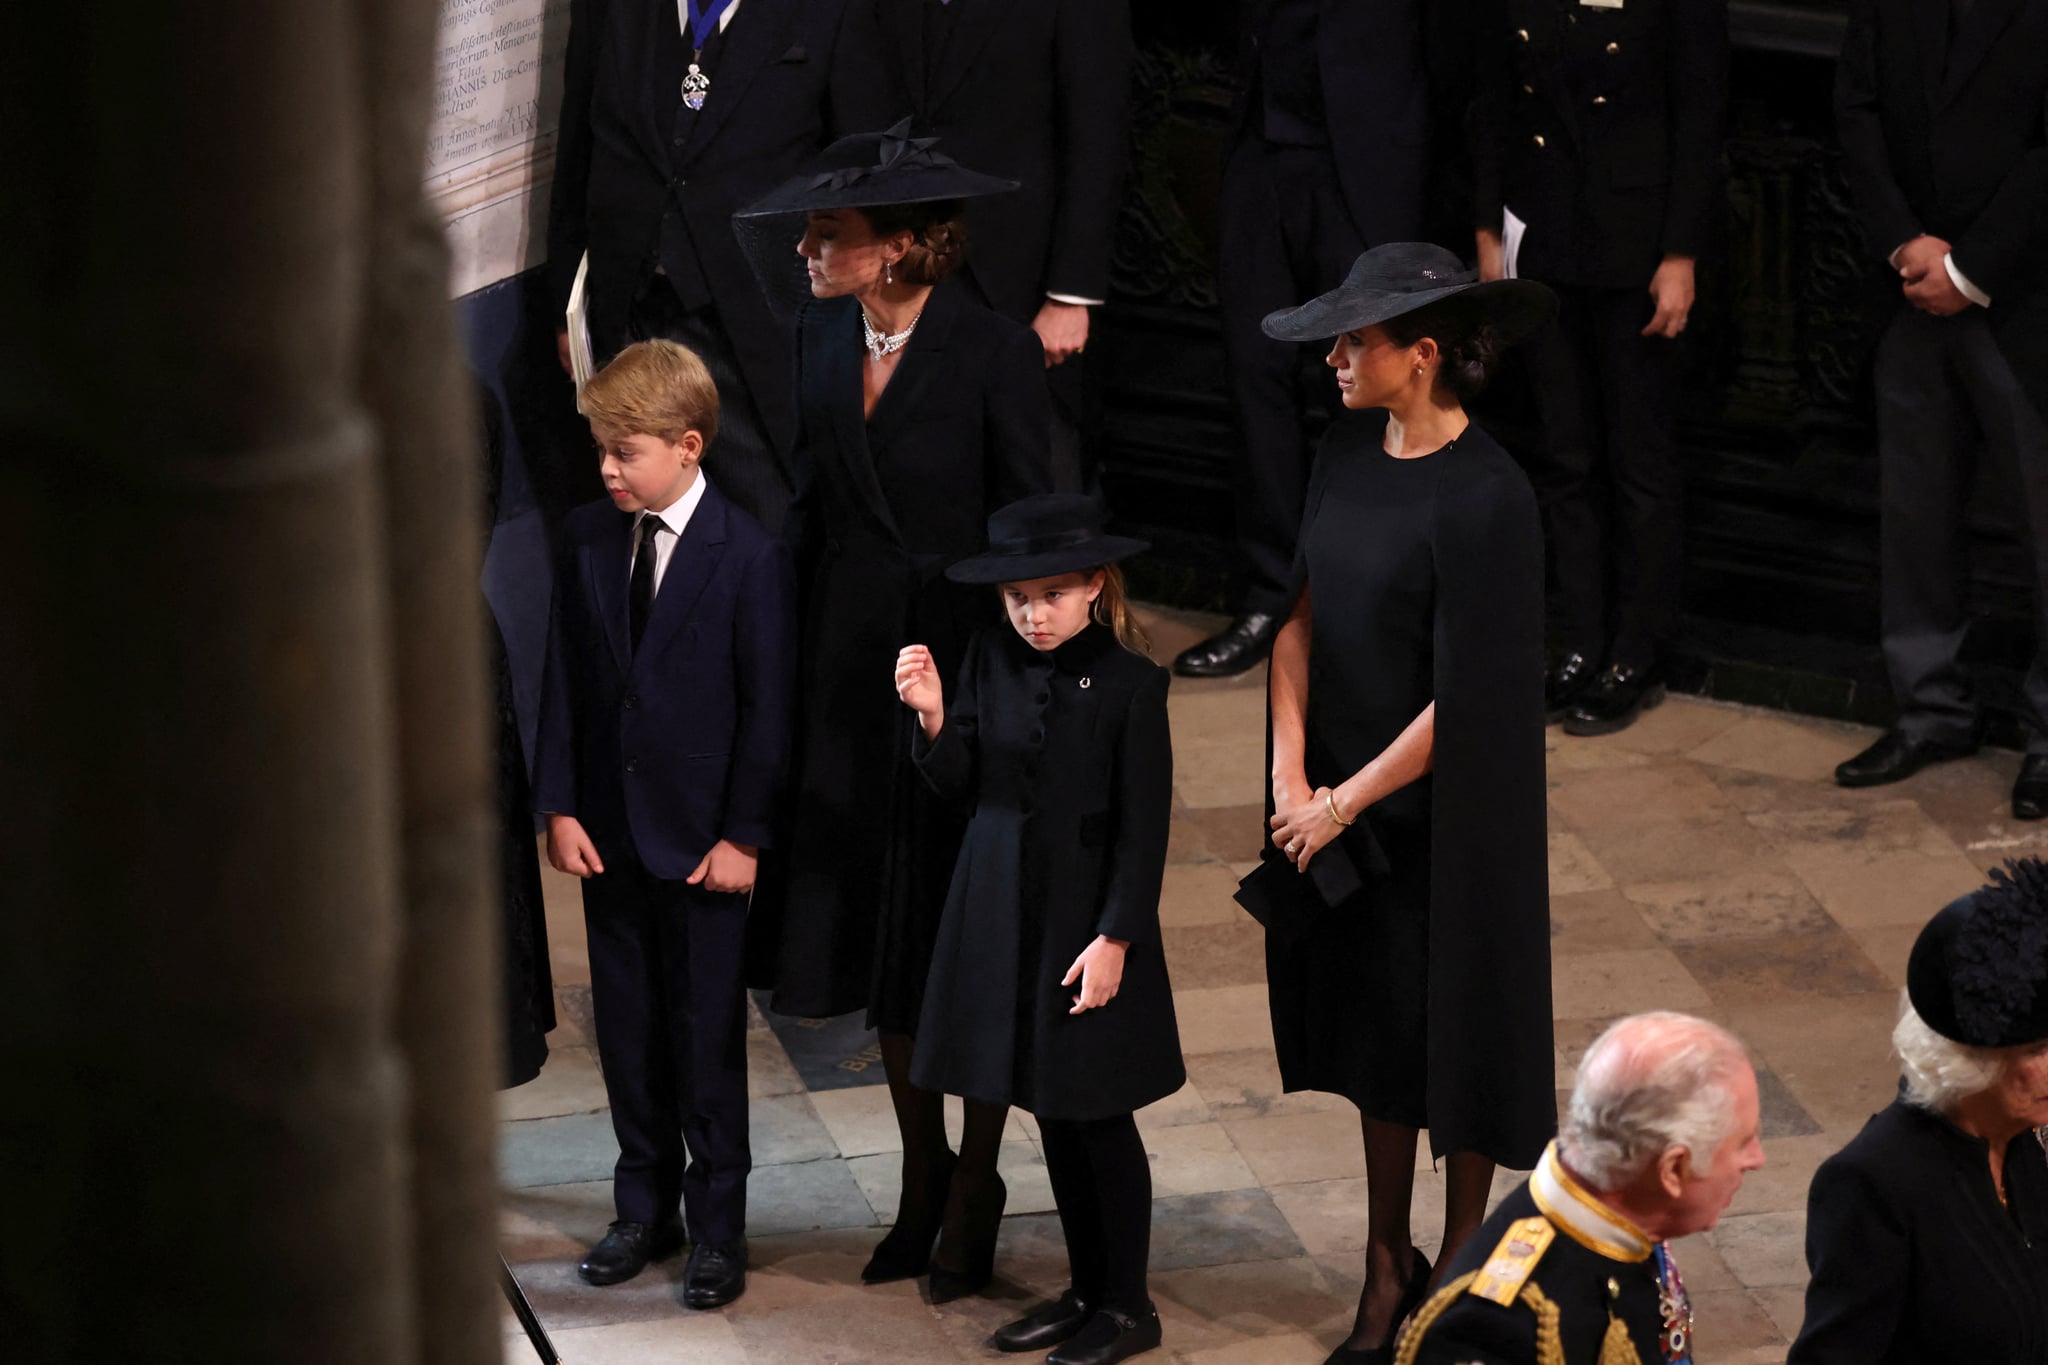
(879, 345)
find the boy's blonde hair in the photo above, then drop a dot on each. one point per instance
(653, 388)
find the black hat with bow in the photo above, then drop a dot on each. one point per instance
(1978, 973)
(1044, 535)
(1400, 277)
(868, 170)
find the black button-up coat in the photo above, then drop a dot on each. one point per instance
(1066, 758)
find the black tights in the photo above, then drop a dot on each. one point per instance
(928, 1195)
(1103, 1186)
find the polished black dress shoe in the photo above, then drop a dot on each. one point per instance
(627, 1248)
(716, 1275)
(1564, 682)
(1615, 699)
(2030, 792)
(1237, 648)
(1060, 1320)
(1896, 757)
(1110, 1336)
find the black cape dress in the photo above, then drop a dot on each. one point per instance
(847, 913)
(1425, 999)
(1066, 760)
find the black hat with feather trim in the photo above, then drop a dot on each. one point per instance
(1978, 974)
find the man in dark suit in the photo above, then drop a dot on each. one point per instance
(662, 753)
(1940, 107)
(1036, 91)
(1329, 156)
(1598, 125)
(648, 174)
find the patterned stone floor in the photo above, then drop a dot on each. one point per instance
(1702, 860)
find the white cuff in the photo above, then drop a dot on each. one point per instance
(1962, 282)
(1074, 299)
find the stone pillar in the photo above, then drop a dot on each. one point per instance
(451, 1003)
(230, 895)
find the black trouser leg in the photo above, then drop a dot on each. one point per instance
(1559, 360)
(1284, 237)
(670, 1008)
(742, 460)
(1645, 477)
(2015, 434)
(1102, 1185)
(1925, 448)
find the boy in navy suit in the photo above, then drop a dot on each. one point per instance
(664, 742)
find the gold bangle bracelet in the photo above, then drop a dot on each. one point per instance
(1330, 800)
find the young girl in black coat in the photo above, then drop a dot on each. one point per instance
(1048, 989)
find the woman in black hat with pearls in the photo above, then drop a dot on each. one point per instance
(1407, 747)
(1049, 989)
(919, 412)
(1927, 1236)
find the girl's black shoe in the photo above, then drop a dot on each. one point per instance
(1058, 1321)
(1110, 1336)
(906, 1252)
(965, 1261)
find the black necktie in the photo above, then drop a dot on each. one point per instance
(641, 599)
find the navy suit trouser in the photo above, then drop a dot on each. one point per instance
(666, 984)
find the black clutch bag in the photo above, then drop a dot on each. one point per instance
(1288, 901)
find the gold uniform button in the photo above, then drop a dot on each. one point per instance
(1523, 34)
(1599, 99)
(1613, 48)
(1528, 89)
(1539, 139)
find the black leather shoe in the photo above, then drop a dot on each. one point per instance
(627, 1248)
(1412, 1296)
(1060, 1320)
(1110, 1336)
(2030, 792)
(1237, 648)
(1615, 699)
(964, 1261)
(716, 1275)
(1564, 683)
(1896, 757)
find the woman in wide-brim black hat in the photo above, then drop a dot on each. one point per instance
(919, 412)
(1407, 737)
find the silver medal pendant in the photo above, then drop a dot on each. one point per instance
(696, 85)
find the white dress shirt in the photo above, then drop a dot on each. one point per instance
(674, 518)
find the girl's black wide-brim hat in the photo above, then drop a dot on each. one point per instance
(1039, 537)
(1401, 277)
(1978, 973)
(868, 170)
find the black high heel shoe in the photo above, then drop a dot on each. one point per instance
(975, 1264)
(1411, 1299)
(906, 1252)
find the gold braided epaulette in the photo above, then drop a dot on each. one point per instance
(1549, 1337)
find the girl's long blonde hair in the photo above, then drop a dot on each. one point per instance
(1112, 610)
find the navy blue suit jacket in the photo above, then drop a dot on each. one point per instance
(686, 742)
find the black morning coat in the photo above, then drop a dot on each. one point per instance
(1914, 1261)
(1379, 60)
(882, 506)
(1067, 761)
(1601, 126)
(640, 181)
(1036, 91)
(1945, 133)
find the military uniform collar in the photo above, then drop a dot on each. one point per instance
(1573, 1209)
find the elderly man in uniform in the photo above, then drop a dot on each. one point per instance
(1574, 1268)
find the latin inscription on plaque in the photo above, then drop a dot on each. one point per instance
(491, 146)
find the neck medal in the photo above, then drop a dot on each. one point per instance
(699, 21)
(1675, 1309)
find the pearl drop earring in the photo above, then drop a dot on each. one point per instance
(888, 272)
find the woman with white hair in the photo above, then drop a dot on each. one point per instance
(1927, 1235)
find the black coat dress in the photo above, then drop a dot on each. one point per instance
(1914, 1258)
(846, 919)
(1065, 759)
(1425, 1000)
